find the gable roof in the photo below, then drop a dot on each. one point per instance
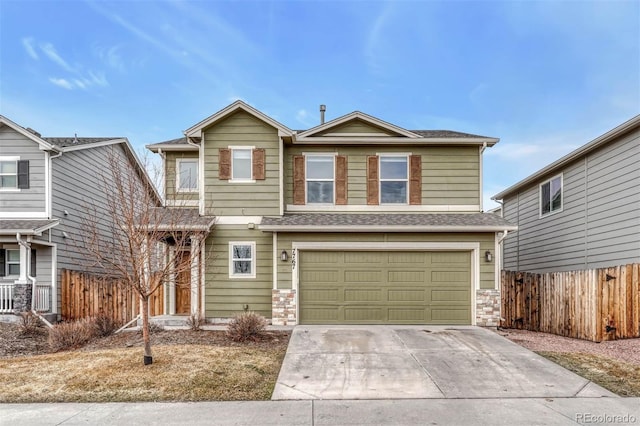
(196, 130)
(28, 133)
(387, 222)
(179, 144)
(610, 136)
(399, 131)
(26, 226)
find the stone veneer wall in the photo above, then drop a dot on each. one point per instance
(488, 308)
(22, 298)
(283, 311)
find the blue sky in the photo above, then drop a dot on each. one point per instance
(543, 76)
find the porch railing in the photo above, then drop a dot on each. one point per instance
(6, 298)
(42, 300)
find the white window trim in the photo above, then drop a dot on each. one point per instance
(380, 180)
(179, 161)
(251, 275)
(16, 159)
(333, 179)
(551, 213)
(7, 263)
(244, 148)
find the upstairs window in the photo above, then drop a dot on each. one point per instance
(241, 164)
(320, 179)
(187, 174)
(551, 196)
(8, 174)
(394, 179)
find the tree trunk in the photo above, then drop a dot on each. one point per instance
(148, 358)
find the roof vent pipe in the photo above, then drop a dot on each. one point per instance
(323, 108)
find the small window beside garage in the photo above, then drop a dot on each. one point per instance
(242, 259)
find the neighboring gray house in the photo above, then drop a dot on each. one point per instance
(46, 185)
(580, 212)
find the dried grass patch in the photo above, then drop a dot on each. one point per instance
(178, 373)
(619, 377)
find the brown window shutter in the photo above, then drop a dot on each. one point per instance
(224, 172)
(258, 163)
(372, 180)
(341, 180)
(298, 180)
(415, 180)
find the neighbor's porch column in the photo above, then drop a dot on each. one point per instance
(24, 264)
(196, 249)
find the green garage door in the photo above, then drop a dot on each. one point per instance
(398, 287)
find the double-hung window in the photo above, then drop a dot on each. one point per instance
(8, 173)
(241, 164)
(320, 172)
(242, 259)
(12, 263)
(551, 196)
(394, 179)
(187, 174)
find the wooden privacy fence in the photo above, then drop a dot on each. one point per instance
(85, 295)
(596, 304)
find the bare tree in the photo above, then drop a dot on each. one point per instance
(129, 235)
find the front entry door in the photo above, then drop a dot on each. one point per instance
(183, 282)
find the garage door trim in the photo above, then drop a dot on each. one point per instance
(473, 247)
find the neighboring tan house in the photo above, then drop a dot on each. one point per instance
(46, 185)
(355, 221)
(581, 211)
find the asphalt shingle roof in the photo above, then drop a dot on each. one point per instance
(64, 142)
(25, 226)
(174, 218)
(433, 221)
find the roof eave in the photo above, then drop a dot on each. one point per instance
(384, 228)
(171, 147)
(80, 147)
(44, 145)
(358, 140)
(610, 136)
(362, 116)
(30, 231)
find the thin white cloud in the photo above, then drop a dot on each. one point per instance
(61, 82)
(375, 40)
(52, 54)
(28, 44)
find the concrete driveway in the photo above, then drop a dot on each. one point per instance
(396, 362)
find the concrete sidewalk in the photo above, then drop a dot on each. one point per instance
(517, 411)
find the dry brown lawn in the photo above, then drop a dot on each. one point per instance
(187, 366)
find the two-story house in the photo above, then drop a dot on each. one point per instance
(46, 186)
(355, 221)
(581, 211)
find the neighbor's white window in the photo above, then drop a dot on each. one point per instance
(12, 262)
(320, 174)
(242, 262)
(551, 196)
(187, 174)
(394, 179)
(8, 173)
(241, 164)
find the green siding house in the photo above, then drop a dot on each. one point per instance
(355, 221)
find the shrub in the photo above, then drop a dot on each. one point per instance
(30, 324)
(105, 325)
(196, 321)
(246, 326)
(72, 334)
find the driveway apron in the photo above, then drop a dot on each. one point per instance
(408, 362)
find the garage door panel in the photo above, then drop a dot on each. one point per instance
(363, 315)
(417, 295)
(320, 276)
(406, 276)
(321, 295)
(363, 295)
(407, 315)
(385, 287)
(362, 276)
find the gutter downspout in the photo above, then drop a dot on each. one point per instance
(200, 147)
(482, 148)
(27, 246)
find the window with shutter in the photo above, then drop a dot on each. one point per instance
(224, 166)
(259, 158)
(9, 173)
(372, 180)
(341, 180)
(415, 180)
(23, 174)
